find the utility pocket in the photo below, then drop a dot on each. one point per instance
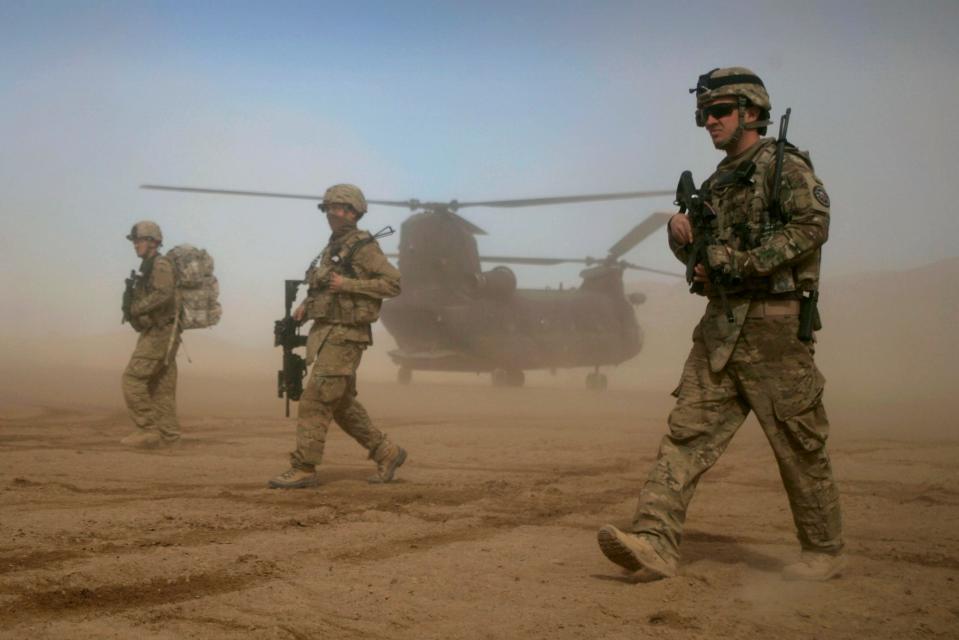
(800, 409)
(345, 305)
(318, 306)
(338, 357)
(332, 389)
(366, 310)
(142, 368)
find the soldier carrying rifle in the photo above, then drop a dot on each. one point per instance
(346, 286)
(753, 248)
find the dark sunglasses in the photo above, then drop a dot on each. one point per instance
(717, 111)
(325, 208)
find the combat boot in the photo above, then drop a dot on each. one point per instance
(388, 457)
(633, 552)
(815, 566)
(143, 440)
(295, 478)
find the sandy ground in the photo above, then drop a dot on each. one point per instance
(490, 531)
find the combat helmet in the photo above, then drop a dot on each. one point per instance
(736, 82)
(348, 194)
(146, 229)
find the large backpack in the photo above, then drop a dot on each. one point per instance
(197, 287)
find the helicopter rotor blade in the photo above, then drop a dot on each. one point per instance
(637, 267)
(517, 260)
(414, 204)
(533, 261)
(230, 192)
(596, 197)
(639, 233)
(410, 204)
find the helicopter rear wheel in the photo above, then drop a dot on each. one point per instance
(404, 375)
(515, 378)
(596, 381)
(508, 378)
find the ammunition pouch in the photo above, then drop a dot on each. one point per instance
(342, 308)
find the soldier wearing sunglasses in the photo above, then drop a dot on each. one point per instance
(756, 362)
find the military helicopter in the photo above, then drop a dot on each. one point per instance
(453, 316)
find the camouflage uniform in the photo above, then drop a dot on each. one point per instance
(756, 363)
(149, 381)
(340, 333)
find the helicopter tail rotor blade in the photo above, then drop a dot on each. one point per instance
(639, 233)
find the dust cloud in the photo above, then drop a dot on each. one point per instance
(497, 506)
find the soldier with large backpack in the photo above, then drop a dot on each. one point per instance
(150, 306)
(171, 293)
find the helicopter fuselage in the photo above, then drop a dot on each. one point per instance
(451, 316)
(530, 329)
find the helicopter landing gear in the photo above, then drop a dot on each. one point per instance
(596, 381)
(508, 378)
(404, 375)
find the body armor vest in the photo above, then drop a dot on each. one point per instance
(341, 307)
(740, 197)
(165, 313)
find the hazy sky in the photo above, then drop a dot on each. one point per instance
(437, 101)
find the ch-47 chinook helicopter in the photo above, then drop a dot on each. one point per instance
(453, 316)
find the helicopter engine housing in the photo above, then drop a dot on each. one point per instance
(498, 283)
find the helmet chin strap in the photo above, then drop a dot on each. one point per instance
(738, 133)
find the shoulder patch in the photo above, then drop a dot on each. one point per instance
(821, 196)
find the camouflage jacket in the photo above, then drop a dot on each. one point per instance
(346, 315)
(153, 307)
(781, 265)
(153, 303)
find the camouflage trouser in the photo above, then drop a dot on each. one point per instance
(773, 374)
(149, 388)
(329, 398)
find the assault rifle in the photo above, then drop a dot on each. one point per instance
(773, 221)
(286, 334)
(773, 218)
(131, 284)
(701, 217)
